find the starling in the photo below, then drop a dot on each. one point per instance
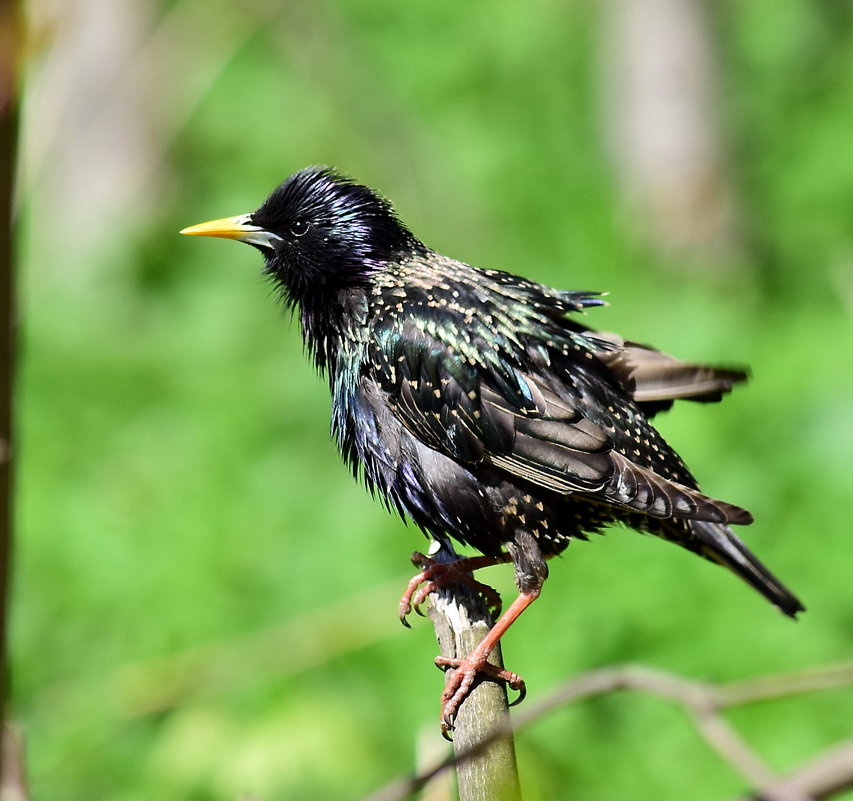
(473, 402)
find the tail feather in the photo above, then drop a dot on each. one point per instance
(719, 544)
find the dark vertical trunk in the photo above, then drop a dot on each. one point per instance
(10, 36)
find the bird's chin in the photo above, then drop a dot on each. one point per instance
(266, 249)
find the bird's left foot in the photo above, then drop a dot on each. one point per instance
(461, 682)
(434, 575)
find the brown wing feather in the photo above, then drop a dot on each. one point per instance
(652, 377)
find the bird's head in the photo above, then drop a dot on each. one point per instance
(319, 233)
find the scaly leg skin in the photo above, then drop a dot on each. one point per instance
(465, 670)
(435, 575)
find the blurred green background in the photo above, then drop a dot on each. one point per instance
(205, 602)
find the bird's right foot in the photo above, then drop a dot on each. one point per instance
(434, 575)
(464, 672)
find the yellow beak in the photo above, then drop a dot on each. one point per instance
(238, 228)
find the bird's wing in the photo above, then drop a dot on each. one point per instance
(504, 415)
(490, 410)
(655, 379)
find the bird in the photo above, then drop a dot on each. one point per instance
(475, 403)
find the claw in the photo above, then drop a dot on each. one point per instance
(434, 575)
(465, 674)
(421, 596)
(521, 689)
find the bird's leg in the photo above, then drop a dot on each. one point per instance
(530, 574)
(465, 670)
(435, 575)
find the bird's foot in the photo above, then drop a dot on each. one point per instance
(465, 673)
(434, 575)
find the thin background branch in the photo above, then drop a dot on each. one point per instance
(827, 774)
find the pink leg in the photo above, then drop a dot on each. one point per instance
(465, 670)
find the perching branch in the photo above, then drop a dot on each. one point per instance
(827, 774)
(461, 619)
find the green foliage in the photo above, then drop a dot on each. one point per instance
(183, 516)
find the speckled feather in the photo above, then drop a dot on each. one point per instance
(484, 368)
(475, 403)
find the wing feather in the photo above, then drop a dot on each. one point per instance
(655, 379)
(530, 426)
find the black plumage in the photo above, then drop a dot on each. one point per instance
(475, 403)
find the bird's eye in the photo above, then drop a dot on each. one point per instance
(299, 228)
